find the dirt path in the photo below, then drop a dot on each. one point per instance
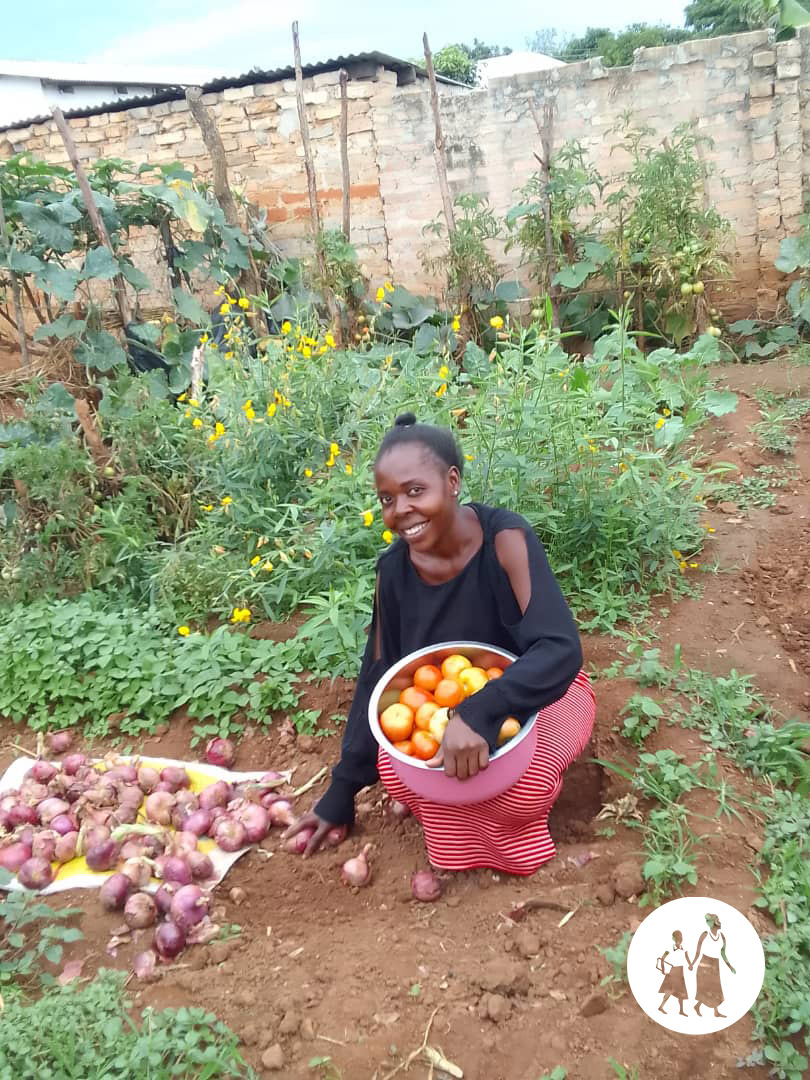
(323, 972)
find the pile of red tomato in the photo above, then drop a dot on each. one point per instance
(415, 721)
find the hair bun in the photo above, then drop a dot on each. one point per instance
(406, 419)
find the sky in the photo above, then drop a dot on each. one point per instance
(236, 36)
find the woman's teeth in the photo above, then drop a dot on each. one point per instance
(415, 529)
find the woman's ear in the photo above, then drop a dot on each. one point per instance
(454, 480)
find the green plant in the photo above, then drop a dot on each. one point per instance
(624, 1072)
(616, 956)
(33, 934)
(39, 1040)
(761, 340)
(641, 715)
(557, 1073)
(779, 413)
(670, 853)
(327, 1068)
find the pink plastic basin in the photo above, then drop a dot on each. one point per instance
(506, 765)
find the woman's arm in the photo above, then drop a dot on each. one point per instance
(699, 947)
(725, 958)
(545, 636)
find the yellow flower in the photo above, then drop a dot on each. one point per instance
(496, 322)
(267, 566)
(244, 303)
(330, 462)
(444, 372)
(622, 467)
(183, 631)
(349, 470)
(256, 559)
(182, 397)
(219, 429)
(227, 336)
(285, 401)
(666, 412)
(286, 326)
(240, 615)
(278, 397)
(368, 518)
(306, 351)
(211, 440)
(224, 308)
(387, 536)
(676, 553)
(660, 423)
(203, 339)
(226, 500)
(194, 403)
(307, 473)
(229, 356)
(249, 413)
(442, 390)
(682, 565)
(334, 449)
(330, 341)
(271, 409)
(709, 529)
(322, 349)
(196, 422)
(470, 457)
(693, 565)
(219, 291)
(388, 286)
(208, 507)
(187, 413)
(456, 324)
(380, 295)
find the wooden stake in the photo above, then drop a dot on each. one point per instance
(119, 284)
(438, 143)
(545, 130)
(5, 247)
(344, 152)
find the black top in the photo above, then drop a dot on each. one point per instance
(478, 604)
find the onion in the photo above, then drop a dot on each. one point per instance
(148, 778)
(126, 814)
(42, 772)
(5, 821)
(200, 865)
(72, 763)
(281, 813)
(189, 906)
(169, 940)
(127, 773)
(164, 897)
(217, 813)
(177, 777)
(173, 868)
(336, 835)
(271, 777)
(356, 871)
(255, 820)
(59, 741)
(33, 792)
(114, 892)
(164, 785)
(102, 856)
(25, 833)
(21, 814)
(229, 834)
(130, 794)
(198, 822)
(144, 965)
(65, 848)
(400, 810)
(44, 844)
(13, 855)
(218, 794)
(425, 886)
(140, 911)
(268, 798)
(220, 752)
(9, 799)
(63, 824)
(203, 932)
(183, 843)
(159, 806)
(298, 844)
(35, 873)
(138, 870)
(90, 835)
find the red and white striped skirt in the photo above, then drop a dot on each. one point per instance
(510, 832)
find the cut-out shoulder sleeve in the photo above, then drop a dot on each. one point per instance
(545, 636)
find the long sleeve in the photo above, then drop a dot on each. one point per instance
(549, 652)
(357, 767)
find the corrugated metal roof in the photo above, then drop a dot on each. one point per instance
(107, 73)
(175, 91)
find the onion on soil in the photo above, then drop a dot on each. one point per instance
(114, 892)
(399, 810)
(59, 742)
(298, 844)
(169, 940)
(220, 752)
(336, 835)
(189, 906)
(255, 820)
(140, 911)
(164, 896)
(281, 813)
(200, 865)
(173, 868)
(229, 834)
(35, 873)
(356, 871)
(138, 870)
(143, 965)
(425, 886)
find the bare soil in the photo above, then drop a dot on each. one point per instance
(323, 971)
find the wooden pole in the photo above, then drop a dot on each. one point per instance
(344, 152)
(96, 219)
(545, 131)
(5, 247)
(309, 166)
(438, 143)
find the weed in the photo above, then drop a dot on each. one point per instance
(326, 1067)
(624, 1072)
(616, 956)
(669, 845)
(641, 715)
(33, 933)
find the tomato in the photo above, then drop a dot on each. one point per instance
(424, 714)
(397, 722)
(427, 677)
(509, 728)
(438, 722)
(494, 672)
(424, 745)
(448, 693)
(404, 747)
(471, 679)
(453, 665)
(413, 697)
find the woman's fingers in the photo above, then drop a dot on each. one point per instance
(437, 760)
(317, 839)
(483, 757)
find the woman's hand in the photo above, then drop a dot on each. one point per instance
(310, 820)
(463, 753)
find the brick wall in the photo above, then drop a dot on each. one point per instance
(745, 92)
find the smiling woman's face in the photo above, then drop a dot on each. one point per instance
(416, 493)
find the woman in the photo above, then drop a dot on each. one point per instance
(465, 572)
(711, 947)
(674, 984)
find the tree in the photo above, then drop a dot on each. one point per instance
(460, 61)
(711, 18)
(616, 49)
(548, 42)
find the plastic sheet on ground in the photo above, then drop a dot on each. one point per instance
(76, 873)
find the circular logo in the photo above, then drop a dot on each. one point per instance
(695, 965)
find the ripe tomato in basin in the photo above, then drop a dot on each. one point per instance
(427, 677)
(397, 722)
(424, 745)
(453, 664)
(404, 747)
(414, 698)
(471, 679)
(494, 673)
(448, 693)
(424, 715)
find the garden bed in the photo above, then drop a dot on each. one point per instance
(317, 972)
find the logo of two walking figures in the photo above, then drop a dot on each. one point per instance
(695, 965)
